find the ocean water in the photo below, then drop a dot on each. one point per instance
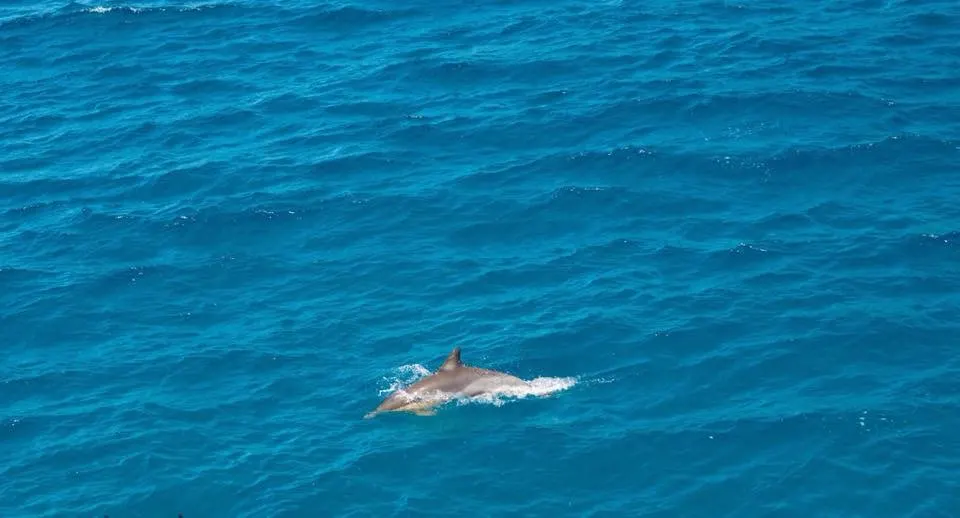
(722, 238)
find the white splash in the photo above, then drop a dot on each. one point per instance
(406, 375)
(537, 387)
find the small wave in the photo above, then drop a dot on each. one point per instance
(101, 9)
(23, 17)
(947, 238)
(104, 9)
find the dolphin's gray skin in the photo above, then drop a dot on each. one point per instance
(452, 379)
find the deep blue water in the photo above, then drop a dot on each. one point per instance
(725, 234)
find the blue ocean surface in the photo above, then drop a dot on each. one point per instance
(720, 239)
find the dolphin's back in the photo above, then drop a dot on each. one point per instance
(446, 381)
(478, 381)
(469, 381)
(491, 381)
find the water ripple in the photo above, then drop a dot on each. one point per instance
(226, 226)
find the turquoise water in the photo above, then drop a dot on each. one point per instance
(722, 240)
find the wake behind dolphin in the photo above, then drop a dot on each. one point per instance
(455, 380)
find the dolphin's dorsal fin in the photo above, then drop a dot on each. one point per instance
(452, 361)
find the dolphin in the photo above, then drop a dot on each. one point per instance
(453, 379)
